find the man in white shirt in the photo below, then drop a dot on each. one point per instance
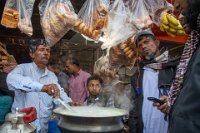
(34, 85)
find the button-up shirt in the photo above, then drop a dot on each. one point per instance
(27, 81)
(78, 86)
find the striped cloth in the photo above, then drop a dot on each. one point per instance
(190, 47)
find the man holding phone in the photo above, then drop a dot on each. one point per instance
(152, 80)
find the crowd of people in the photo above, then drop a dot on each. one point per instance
(173, 81)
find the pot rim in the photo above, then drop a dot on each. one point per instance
(119, 112)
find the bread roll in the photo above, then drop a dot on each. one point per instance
(81, 26)
(10, 18)
(77, 23)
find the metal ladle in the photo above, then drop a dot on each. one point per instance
(67, 106)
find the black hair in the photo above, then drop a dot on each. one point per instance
(193, 12)
(54, 65)
(34, 43)
(74, 61)
(145, 35)
(95, 77)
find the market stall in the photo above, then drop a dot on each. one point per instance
(100, 33)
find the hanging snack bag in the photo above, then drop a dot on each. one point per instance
(118, 29)
(17, 13)
(57, 17)
(10, 17)
(138, 14)
(92, 18)
(25, 8)
(156, 7)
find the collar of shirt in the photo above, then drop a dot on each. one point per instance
(77, 74)
(149, 69)
(45, 73)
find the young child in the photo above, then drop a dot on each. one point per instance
(96, 95)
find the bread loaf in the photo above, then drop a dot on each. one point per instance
(10, 18)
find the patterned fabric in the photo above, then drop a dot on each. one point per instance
(188, 51)
(163, 58)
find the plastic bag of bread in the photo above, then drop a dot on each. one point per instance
(103, 69)
(17, 13)
(118, 29)
(124, 54)
(25, 8)
(57, 17)
(92, 18)
(10, 17)
(139, 15)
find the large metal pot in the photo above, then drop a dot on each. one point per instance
(91, 119)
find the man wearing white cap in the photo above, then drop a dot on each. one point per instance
(152, 79)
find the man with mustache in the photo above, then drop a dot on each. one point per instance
(34, 85)
(152, 79)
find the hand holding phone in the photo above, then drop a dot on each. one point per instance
(153, 99)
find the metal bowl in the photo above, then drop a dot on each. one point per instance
(86, 119)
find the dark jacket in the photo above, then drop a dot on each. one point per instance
(165, 78)
(185, 117)
(4, 91)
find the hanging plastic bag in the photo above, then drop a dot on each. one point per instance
(18, 13)
(10, 17)
(124, 54)
(118, 29)
(57, 18)
(92, 18)
(156, 7)
(139, 15)
(104, 70)
(25, 13)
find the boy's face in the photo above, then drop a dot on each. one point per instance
(94, 87)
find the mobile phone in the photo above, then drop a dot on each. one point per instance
(155, 100)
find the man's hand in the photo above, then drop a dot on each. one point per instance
(52, 90)
(164, 107)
